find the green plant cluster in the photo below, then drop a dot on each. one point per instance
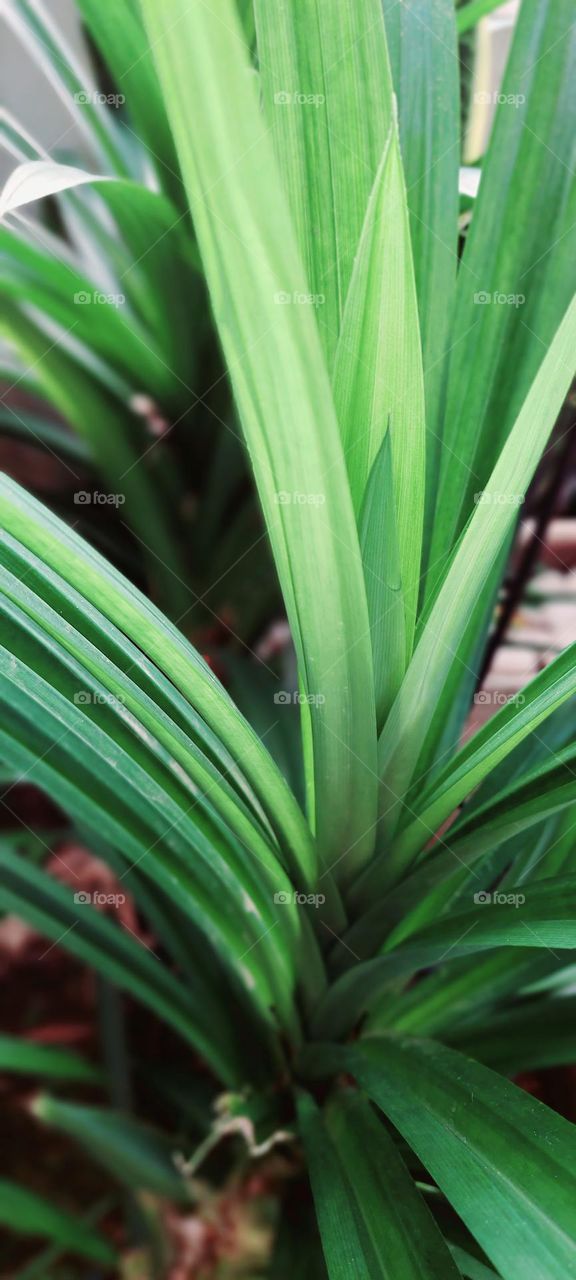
(368, 962)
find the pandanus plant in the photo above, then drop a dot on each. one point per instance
(366, 968)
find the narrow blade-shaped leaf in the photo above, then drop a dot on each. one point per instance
(283, 395)
(46, 43)
(492, 744)
(512, 1040)
(28, 1214)
(328, 98)
(102, 589)
(502, 1158)
(470, 569)
(110, 430)
(31, 1057)
(378, 380)
(469, 14)
(403, 1235)
(537, 914)
(132, 1151)
(382, 573)
(424, 58)
(119, 33)
(516, 277)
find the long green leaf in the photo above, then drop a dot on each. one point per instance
(30, 1057)
(347, 1247)
(515, 280)
(169, 660)
(492, 744)
(403, 1237)
(470, 1266)
(423, 53)
(139, 319)
(120, 36)
(470, 568)
(382, 390)
(77, 755)
(111, 432)
(503, 1159)
(133, 1152)
(460, 995)
(487, 845)
(383, 576)
(44, 433)
(283, 396)
(77, 90)
(28, 1214)
(533, 796)
(538, 914)
(468, 15)
(530, 787)
(50, 908)
(185, 756)
(68, 298)
(512, 1040)
(327, 94)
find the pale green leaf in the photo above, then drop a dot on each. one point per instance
(271, 344)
